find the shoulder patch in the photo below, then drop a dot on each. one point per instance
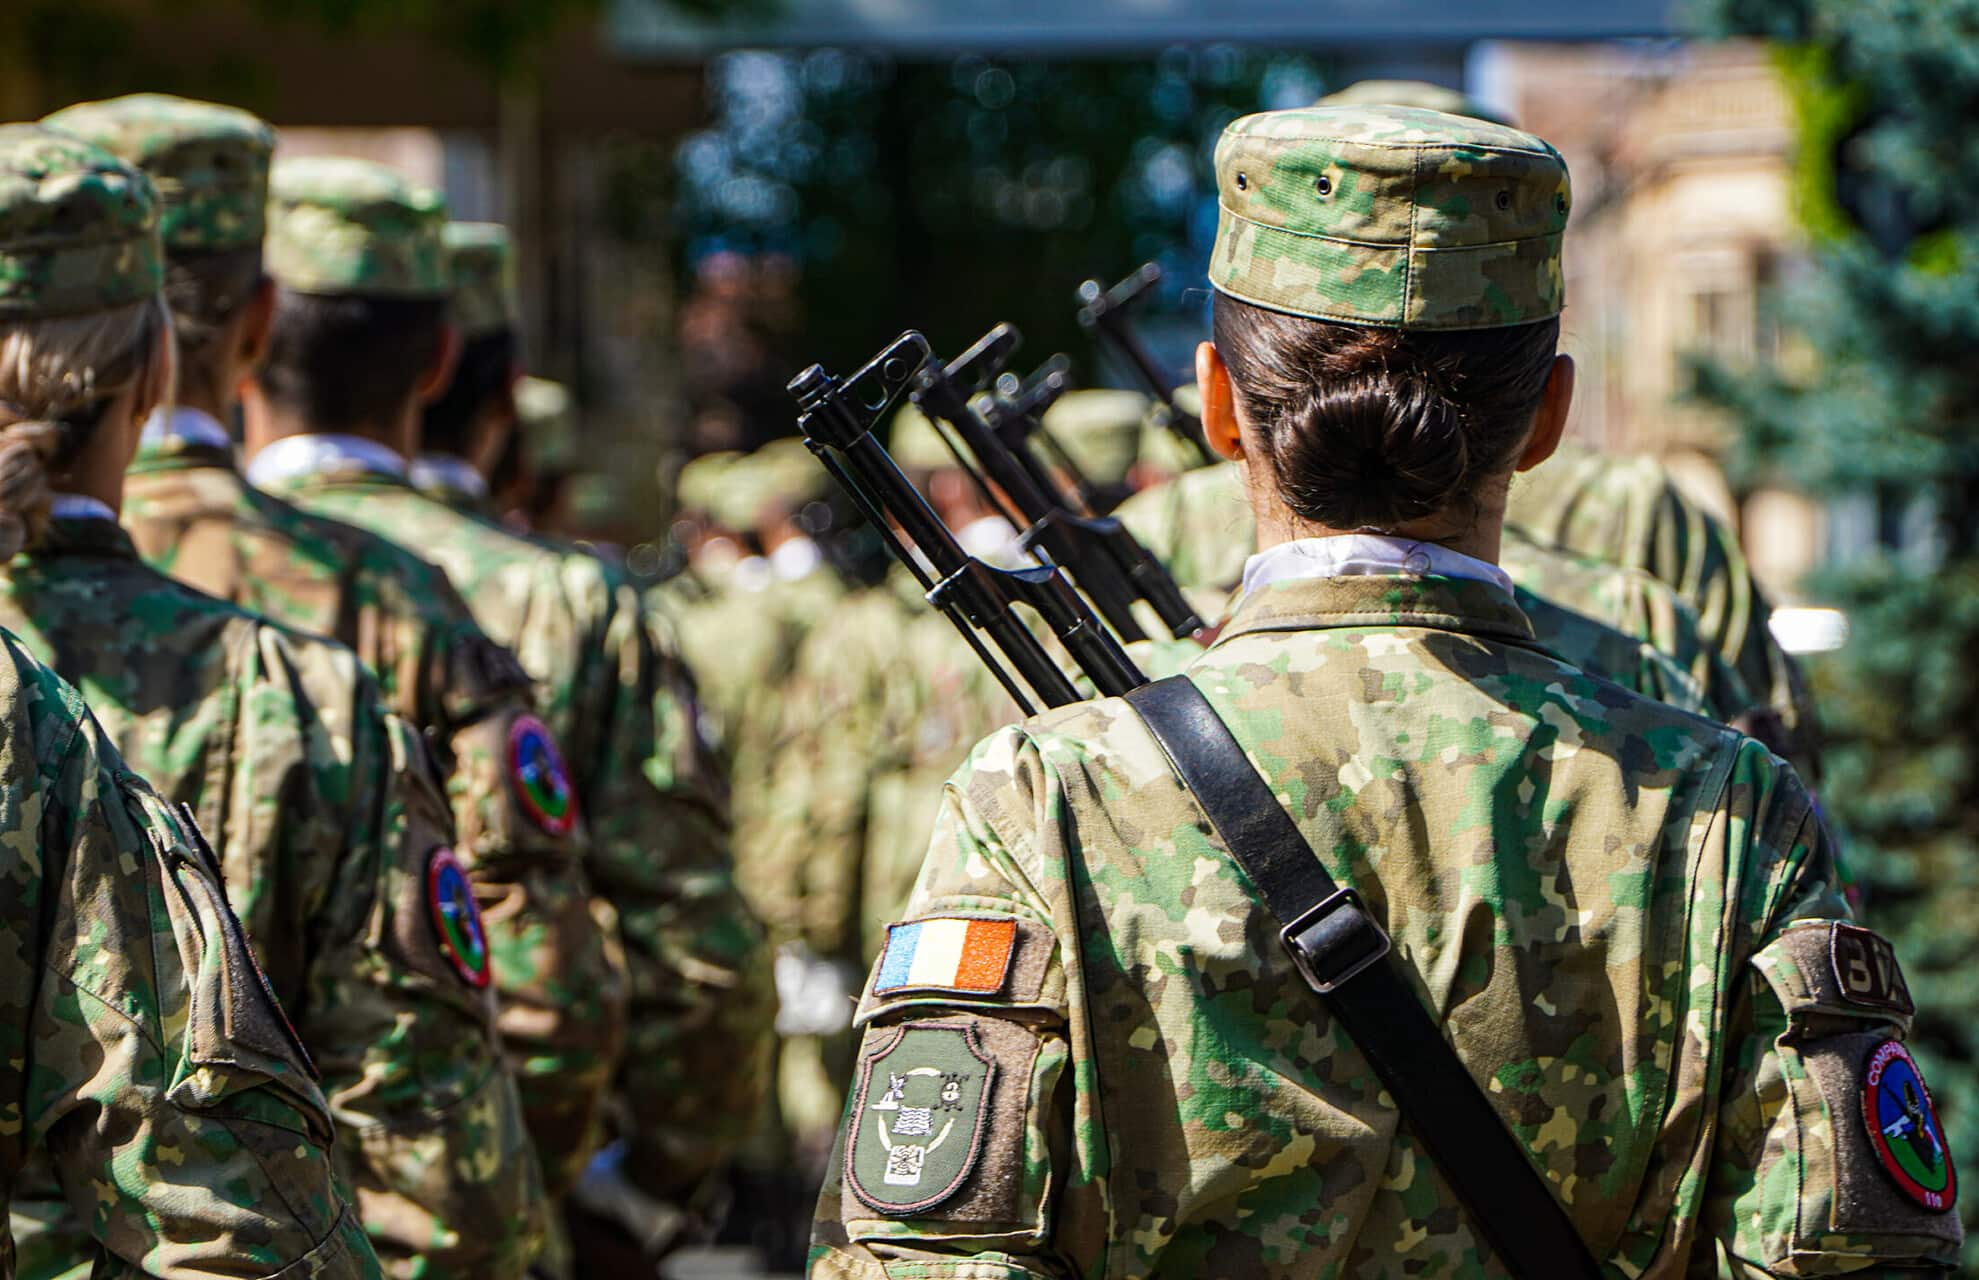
(922, 1106)
(537, 775)
(1866, 970)
(965, 954)
(1904, 1130)
(456, 918)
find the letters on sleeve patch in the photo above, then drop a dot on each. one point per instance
(946, 953)
(1904, 1130)
(920, 1111)
(457, 918)
(536, 771)
(1866, 970)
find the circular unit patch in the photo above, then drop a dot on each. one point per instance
(456, 917)
(1904, 1128)
(541, 783)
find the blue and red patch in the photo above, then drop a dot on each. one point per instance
(536, 772)
(457, 918)
(1904, 1128)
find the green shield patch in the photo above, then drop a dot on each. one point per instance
(920, 1111)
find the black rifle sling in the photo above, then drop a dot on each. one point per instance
(1344, 956)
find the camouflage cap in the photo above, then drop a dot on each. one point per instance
(914, 442)
(1161, 449)
(700, 479)
(1100, 430)
(481, 264)
(547, 418)
(78, 227)
(208, 162)
(1411, 93)
(1390, 216)
(337, 225)
(788, 473)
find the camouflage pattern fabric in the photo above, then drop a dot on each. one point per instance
(337, 225)
(50, 185)
(481, 267)
(158, 1078)
(224, 712)
(1390, 216)
(560, 996)
(1625, 626)
(209, 163)
(700, 1005)
(1626, 510)
(1602, 898)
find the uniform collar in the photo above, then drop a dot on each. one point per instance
(195, 426)
(296, 458)
(84, 535)
(80, 506)
(177, 453)
(1358, 554)
(795, 558)
(1439, 603)
(445, 476)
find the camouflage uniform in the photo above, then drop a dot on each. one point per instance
(146, 1055)
(1627, 511)
(224, 712)
(694, 1067)
(1085, 1052)
(1613, 622)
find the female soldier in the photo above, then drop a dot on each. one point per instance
(334, 838)
(1086, 1052)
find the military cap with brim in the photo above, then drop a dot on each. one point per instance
(208, 162)
(342, 226)
(481, 264)
(1390, 216)
(1100, 430)
(78, 227)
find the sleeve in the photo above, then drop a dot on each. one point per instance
(522, 839)
(432, 1140)
(1830, 1157)
(697, 1065)
(968, 1135)
(178, 1107)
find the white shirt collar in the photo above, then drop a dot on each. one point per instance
(194, 426)
(751, 573)
(446, 471)
(78, 506)
(1349, 554)
(307, 455)
(795, 558)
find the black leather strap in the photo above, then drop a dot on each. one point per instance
(1345, 956)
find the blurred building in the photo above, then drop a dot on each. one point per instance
(1683, 228)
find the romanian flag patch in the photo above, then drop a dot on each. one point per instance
(946, 953)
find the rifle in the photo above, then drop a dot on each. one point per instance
(1103, 312)
(836, 418)
(1103, 558)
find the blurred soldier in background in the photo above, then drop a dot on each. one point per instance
(359, 337)
(339, 884)
(147, 1059)
(1100, 433)
(623, 710)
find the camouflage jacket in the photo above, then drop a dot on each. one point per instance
(561, 1006)
(1086, 1053)
(700, 1007)
(328, 821)
(1622, 624)
(1626, 510)
(142, 1055)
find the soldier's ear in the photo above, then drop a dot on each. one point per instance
(1549, 422)
(1219, 415)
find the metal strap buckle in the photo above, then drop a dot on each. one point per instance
(1334, 941)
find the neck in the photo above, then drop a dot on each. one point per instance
(207, 394)
(263, 423)
(1479, 536)
(99, 471)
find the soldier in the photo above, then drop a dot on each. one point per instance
(559, 1000)
(340, 885)
(1086, 1051)
(147, 1059)
(1099, 430)
(331, 416)
(466, 429)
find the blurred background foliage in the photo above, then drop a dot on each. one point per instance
(1876, 400)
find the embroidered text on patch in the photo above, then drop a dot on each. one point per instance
(946, 953)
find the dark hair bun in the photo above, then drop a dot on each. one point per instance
(1372, 428)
